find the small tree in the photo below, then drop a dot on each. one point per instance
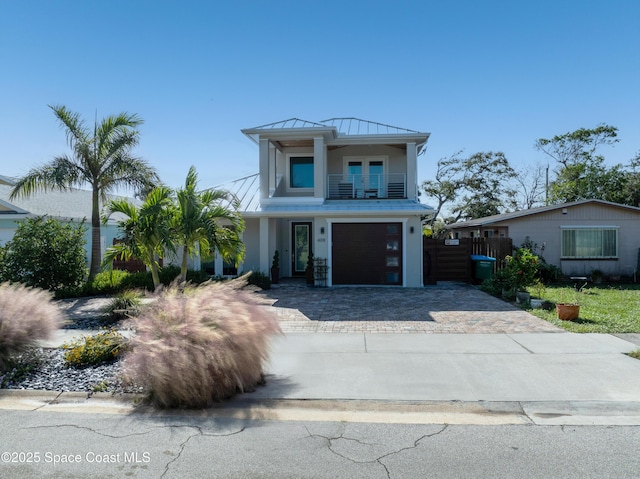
(47, 254)
(146, 231)
(197, 224)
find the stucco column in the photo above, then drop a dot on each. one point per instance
(264, 168)
(319, 166)
(412, 171)
(264, 245)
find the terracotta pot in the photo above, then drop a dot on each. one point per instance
(568, 312)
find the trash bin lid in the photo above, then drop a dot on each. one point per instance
(481, 257)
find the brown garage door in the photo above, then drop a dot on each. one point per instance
(366, 253)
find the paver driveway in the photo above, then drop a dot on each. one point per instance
(442, 308)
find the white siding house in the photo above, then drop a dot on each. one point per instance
(578, 237)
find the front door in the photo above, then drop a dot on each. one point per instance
(300, 247)
(366, 177)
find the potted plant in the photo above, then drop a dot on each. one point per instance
(522, 267)
(568, 308)
(309, 270)
(275, 268)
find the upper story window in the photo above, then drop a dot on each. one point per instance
(589, 242)
(301, 172)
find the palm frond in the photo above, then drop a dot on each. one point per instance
(75, 129)
(61, 174)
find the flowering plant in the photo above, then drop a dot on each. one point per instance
(522, 267)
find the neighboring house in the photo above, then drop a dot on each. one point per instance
(73, 205)
(344, 190)
(578, 237)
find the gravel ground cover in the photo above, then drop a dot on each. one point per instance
(51, 373)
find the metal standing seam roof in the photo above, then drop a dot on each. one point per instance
(246, 190)
(356, 126)
(348, 126)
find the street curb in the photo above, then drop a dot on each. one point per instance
(545, 413)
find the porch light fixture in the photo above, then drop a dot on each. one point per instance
(322, 230)
(411, 229)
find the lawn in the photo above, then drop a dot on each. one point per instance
(606, 308)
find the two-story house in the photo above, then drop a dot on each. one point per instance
(344, 190)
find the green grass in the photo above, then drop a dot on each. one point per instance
(603, 308)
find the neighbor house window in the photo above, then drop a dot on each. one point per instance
(590, 242)
(301, 172)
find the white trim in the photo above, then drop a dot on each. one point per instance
(364, 159)
(587, 227)
(288, 187)
(589, 258)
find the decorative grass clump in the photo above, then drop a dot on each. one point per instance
(201, 344)
(26, 316)
(95, 349)
(124, 305)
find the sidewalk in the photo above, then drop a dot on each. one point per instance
(552, 378)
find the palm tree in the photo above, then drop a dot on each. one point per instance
(101, 158)
(197, 223)
(146, 230)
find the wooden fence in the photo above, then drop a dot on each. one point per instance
(450, 260)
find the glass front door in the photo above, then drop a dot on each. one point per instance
(300, 246)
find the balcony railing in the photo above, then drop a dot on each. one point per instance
(345, 187)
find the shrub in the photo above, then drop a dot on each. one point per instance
(95, 349)
(523, 267)
(125, 304)
(109, 282)
(46, 253)
(201, 344)
(259, 279)
(549, 273)
(26, 316)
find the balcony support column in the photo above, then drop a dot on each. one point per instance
(412, 171)
(319, 167)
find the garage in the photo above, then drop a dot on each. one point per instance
(366, 253)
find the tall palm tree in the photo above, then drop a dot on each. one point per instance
(198, 223)
(101, 158)
(146, 230)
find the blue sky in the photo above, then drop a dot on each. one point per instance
(477, 75)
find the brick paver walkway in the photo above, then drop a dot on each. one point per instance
(444, 308)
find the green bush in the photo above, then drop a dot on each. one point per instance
(259, 279)
(116, 281)
(549, 273)
(95, 349)
(200, 344)
(46, 253)
(26, 316)
(109, 282)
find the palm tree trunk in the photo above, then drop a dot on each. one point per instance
(96, 255)
(153, 266)
(183, 266)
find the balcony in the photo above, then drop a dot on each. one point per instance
(349, 187)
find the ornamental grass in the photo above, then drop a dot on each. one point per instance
(197, 345)
(26, 316)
